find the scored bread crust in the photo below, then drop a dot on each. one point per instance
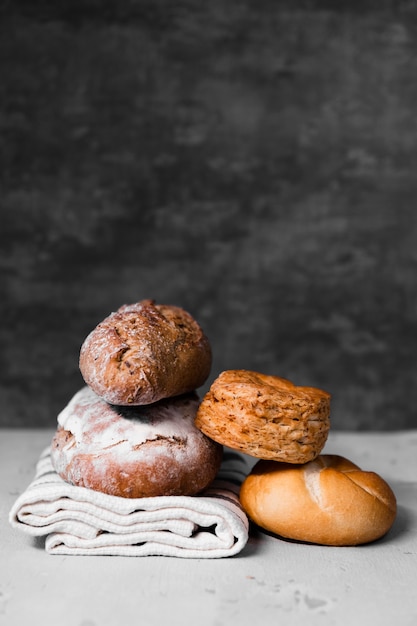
(264, 416)
(328, 501)
(134, 452)
(144, 352)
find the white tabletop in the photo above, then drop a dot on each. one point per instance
(271, 581)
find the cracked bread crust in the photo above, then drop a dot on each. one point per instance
(145, 352)
(134, 452)
(266, 417)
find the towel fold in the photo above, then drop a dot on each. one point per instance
(81, 521)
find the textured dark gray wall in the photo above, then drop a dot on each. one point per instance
(253, 162)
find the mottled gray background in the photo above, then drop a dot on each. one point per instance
(253, 162)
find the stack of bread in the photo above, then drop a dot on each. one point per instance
(138, 429)
(294, 491)
(130, 431)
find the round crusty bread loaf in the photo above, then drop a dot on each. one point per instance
(145, 352)
(134, 452)
(328, 501)
(267, 417)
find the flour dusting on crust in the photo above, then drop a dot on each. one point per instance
(134, 451)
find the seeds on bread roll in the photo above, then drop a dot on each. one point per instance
(134, 452)
(145, 352)
(267, 417)
(328, 501)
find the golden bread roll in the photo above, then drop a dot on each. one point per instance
(265, 416)
(134, 452)
(328, 501)
(145, 352)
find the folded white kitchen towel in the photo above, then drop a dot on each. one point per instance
(81, 521)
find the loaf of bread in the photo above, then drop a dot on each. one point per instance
(267, 417)
(134, 452)
(328, 501)
(145, 352)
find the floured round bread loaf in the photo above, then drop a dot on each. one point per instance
(328, 501)
(264, 416)
(145, 352)
(134, 452)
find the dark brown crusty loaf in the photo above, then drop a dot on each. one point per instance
(134, 452)
(267, 417)
(328, 501)
(145, 352)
